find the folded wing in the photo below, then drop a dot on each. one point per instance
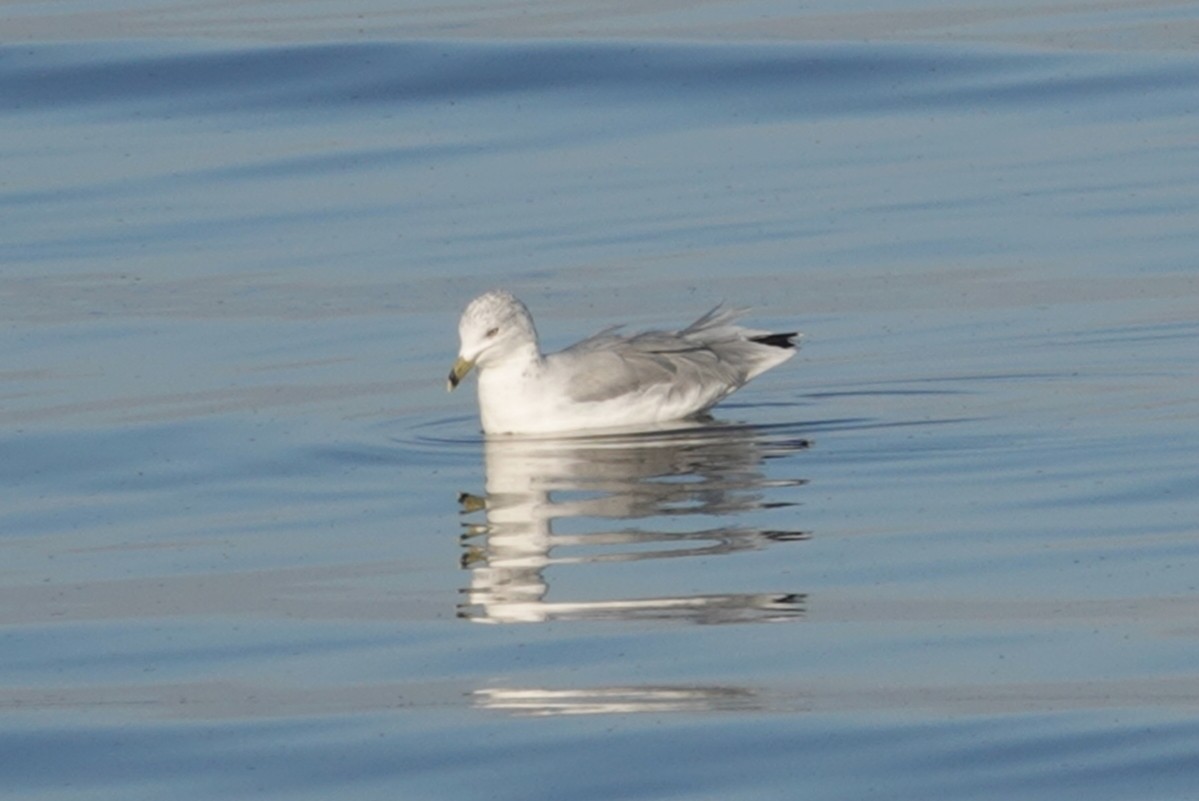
(693, 368)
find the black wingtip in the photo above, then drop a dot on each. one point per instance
(777, 340)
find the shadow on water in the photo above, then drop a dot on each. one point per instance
(662, 479)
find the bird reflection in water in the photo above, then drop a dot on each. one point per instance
(708, 470)
(545, 702)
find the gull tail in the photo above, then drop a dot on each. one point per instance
(785, 341)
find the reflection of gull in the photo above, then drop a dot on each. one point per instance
(607, 380)
(708, 470)
(744, 608)
(615, 700)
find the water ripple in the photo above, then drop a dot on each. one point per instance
(788, 79)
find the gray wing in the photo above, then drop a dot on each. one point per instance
(709, 358)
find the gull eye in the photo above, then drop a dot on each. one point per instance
(492, 332)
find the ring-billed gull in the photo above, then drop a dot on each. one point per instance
(607, 380)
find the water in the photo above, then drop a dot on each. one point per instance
(250, 548)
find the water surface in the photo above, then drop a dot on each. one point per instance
(251, 548)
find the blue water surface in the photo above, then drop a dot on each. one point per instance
(250, 548)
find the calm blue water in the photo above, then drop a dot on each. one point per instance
(250, 548)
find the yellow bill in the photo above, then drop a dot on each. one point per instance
(457, 373)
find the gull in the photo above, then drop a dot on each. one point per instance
(608, 380)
